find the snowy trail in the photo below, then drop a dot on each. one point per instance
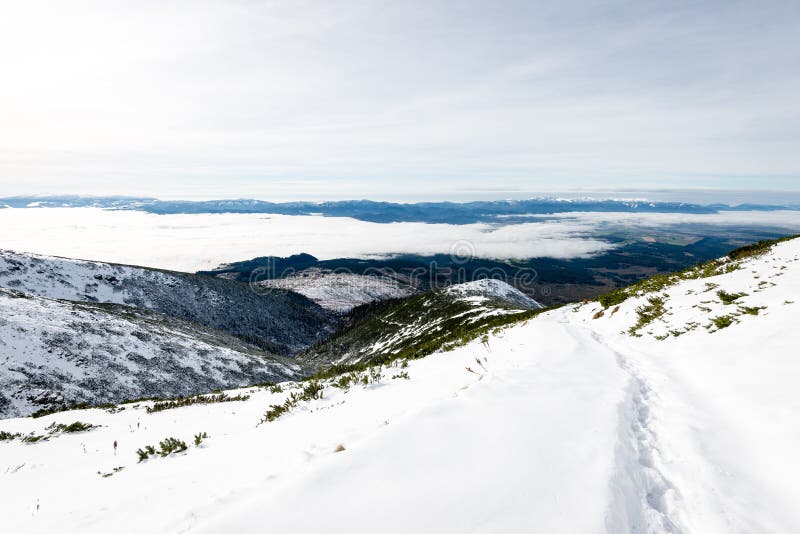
(676, 464)
(644, 499)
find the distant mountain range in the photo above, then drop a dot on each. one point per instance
(383, 212)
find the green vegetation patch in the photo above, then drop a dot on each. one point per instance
(410, 329)
(165, 448)
(311, 391)
(701, 270)
(729, 298)
(723, 321)
(757, 249)
(71, 428)
(9, 436)
(648, 313)
(197, 399)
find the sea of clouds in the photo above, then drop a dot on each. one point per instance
(201, 241)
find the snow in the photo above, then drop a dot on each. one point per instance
(486, 449)
(479, 290)
(341, 292)
(54, 352)
(565, 423)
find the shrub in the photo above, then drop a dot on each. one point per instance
(8, 436)
(198, 399)
(198, 438)
(77, 426)
(729, 298)
(403, 375)
(274, 412)
(343, 382)
(723, 321)
(78, 406)
(748, 310)
(143, 454)
(648, 313)
(171, 446)
(32, 438)
(165, 448)
(614, 297)
(756, 249)
(312, 391)
(375, 374)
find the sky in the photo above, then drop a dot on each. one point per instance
(415, 99)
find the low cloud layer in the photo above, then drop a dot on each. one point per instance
(783, 219)
(203, 241)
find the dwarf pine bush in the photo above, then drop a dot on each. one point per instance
(77, 426)
(723, 321)
(8, 436)
(198, 399)
(198, 438)
(729, 298)
(33, 438)
(648, 313)
(171, 446)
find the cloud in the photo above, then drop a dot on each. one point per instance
(787, 219)
(202, 241)
(195, 242)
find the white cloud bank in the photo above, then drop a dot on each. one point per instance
(785, 219)
(200, 241)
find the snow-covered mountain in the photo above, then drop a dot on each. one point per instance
(420, 325)
(340, 292)
(488, 289)
(59, 353)
(279, 321)
(668, 407)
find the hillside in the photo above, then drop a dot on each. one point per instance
(278, 321)
(423, 324)
(340, 292)
(58, 353)
(619, 416)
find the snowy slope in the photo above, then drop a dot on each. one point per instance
(340, 292)
(570, 422)
(279, 321)
(446, 451)
(423, 324)
(488, 289)
(55, 353)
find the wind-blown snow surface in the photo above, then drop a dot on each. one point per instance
(563, 424)
(279, 321)
(54, 353)
(488, 288)
(340, 292)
